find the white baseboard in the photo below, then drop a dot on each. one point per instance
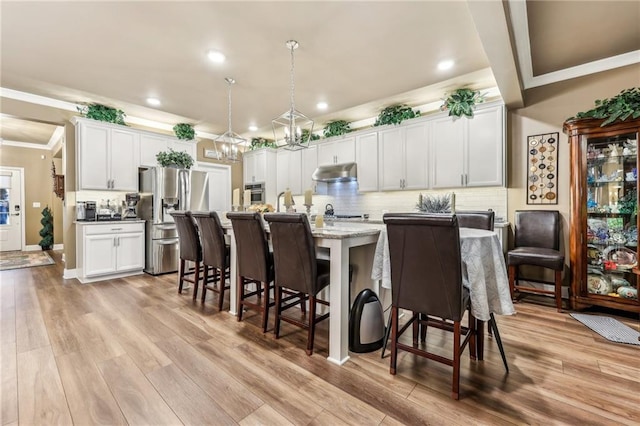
(36, 247)
(69, 274)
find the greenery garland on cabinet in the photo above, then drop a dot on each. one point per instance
(257, 143)
(171, 158)
(624, 105)
(102, 113)
(461, 102)
(47, 229)
(336, 128)
(184, 131)
(395, 114)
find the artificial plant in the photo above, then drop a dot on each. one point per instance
(184, 131)
(336, 128)
(179, 159)
(461, 102)
(257, 143)
(47, 229)
(395, 114)
(102, 113)
(624, 105)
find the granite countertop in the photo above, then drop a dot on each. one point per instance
(107, 222)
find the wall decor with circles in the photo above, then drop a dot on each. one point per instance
(542, 169)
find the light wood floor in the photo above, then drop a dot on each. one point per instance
(134, 351)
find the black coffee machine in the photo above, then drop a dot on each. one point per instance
(131, 206)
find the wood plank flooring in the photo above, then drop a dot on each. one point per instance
(134, 351)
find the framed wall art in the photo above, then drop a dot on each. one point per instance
(542, 169)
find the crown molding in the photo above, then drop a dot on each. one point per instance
(28, 145)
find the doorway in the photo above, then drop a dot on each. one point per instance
(11, 208)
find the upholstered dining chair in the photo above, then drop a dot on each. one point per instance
(483, 219)
(430, 289)
(215, 254)
(297, 269)
(536, 243)
(255, 263)
(190, 250)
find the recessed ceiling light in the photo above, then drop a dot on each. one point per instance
(153, 101)
(445, 65)
(253, 128)
(215, 56)
(322, 105)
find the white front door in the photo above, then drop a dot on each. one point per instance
(11, 209)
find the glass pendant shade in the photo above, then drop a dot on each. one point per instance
(227, 144)
(292, 129)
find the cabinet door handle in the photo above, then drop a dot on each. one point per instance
(461, 180)
(466, 179)
(116, 229)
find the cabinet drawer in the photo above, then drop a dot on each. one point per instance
(113, 228)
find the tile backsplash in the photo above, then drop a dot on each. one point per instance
(346, 200)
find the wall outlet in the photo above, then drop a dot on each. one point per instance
(36, 204)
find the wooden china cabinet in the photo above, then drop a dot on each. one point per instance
(604, 214)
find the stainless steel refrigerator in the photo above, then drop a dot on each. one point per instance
(163, 190)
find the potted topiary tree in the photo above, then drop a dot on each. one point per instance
(47, 229)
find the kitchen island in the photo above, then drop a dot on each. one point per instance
(338, 240)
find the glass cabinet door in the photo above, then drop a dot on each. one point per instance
(612, 208)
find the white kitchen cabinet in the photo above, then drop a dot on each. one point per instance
(259, 166)
(367, 161)
(190, 147)
(337, 151)
(150, 146)
(289, 168)
(403, 157)
(469, 152)
(309, 165)
(109, 250)
(107, 156)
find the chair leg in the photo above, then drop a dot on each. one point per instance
(312, 324)
(205, 278)
(455, 385)
(493, 325)
(222, 281)
(387, 332)
(180, 275)
(196, 280)
(240, 297)
(423, 329)
(513, 271)
(394, 339)
(265, 307)
(558, 290)
(476, 345)
(278, 297)
(416, 327)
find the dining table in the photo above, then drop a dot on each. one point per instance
(484, 273)
(338, 240)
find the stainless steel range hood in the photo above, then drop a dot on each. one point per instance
(346, 172)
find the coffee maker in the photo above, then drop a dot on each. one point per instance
(131, 208)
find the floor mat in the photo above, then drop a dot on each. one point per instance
(24, 259)
(609, 328)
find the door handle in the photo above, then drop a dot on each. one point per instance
(15, 214)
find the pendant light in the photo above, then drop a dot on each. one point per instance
(227, 144)
(292, 130)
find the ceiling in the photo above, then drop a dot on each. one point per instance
(357, 56)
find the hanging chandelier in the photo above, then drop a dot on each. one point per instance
(227, 144)
(292, 130)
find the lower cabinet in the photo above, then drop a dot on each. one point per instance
(109, 250)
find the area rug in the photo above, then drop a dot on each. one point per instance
(609, 328)
(24, 259)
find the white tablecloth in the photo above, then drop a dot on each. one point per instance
(483, 271)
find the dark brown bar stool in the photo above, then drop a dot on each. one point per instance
(190, 250)
(255, 263)
(537, 243)
(215, 254)
(297, 269)
(483, 220)
(433, 290)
